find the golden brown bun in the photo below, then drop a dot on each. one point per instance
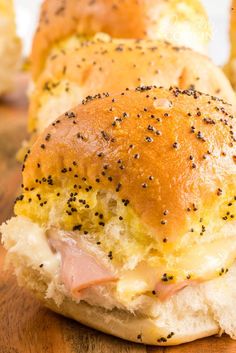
(230, 68)
(170, 155)
(180, 22)
(111, 66)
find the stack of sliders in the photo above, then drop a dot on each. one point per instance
(126, 221)
(71, 60)
(10, 46)
(126, 217)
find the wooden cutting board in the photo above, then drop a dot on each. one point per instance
(26, 326)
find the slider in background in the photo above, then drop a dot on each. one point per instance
(10, 47)
(182, 23)
(77, 70)
(230, 68)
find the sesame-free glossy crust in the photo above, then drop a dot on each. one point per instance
(186, 21)
(111, 66)
(170, 154)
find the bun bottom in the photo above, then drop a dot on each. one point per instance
(119, 323)
(123, 324)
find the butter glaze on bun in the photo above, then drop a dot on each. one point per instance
(183, 23)
(144, 182)
(105, 65)
(110, 128)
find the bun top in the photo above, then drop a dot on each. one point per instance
(180, 22)
(169, 155)
(111, 66)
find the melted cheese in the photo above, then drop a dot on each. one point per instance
(203, 262)
(30, 243)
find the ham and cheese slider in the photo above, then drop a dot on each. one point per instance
(106, 65)
(126, 221)
(10, 46)
(182, 23)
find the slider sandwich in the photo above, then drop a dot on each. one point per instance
(183, 23)
(126, 221)
(10, 46)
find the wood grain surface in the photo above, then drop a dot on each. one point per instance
(26, 326)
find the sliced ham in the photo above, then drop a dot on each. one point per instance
(79, 270)
(165, 290)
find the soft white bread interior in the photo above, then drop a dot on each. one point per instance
(10, 46)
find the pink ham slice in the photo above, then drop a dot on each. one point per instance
(79, 270)
(166, 290)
